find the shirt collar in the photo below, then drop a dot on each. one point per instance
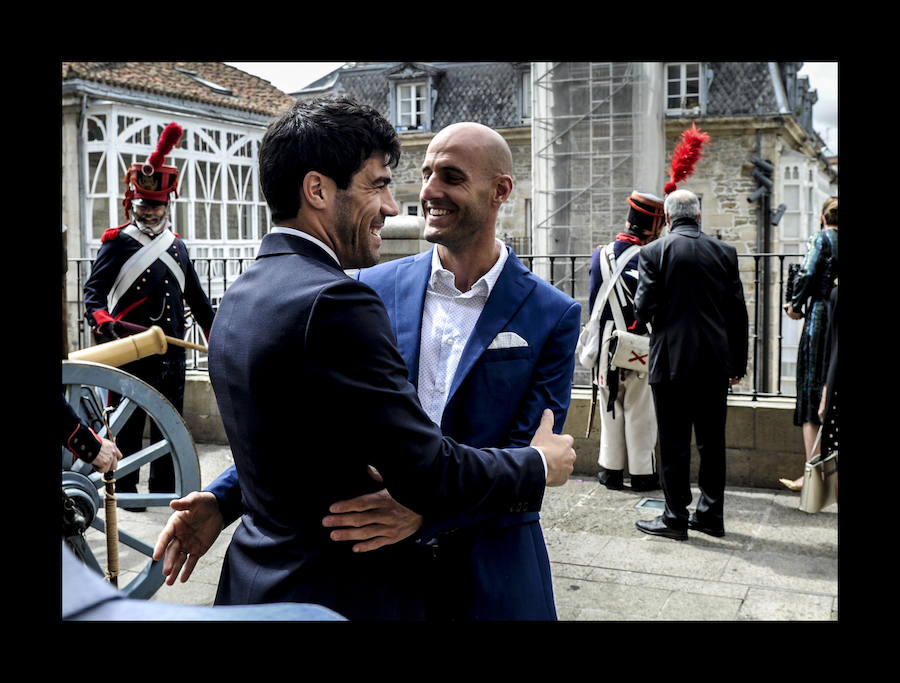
(307, 236)
(483, 286)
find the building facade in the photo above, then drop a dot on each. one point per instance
(585, 134)
(422, 98)
(112, 115)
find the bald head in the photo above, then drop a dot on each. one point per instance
(494, 153)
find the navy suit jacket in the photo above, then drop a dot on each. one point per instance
(496, 399)
(311, 389)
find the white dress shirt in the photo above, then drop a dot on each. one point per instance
(448, 318)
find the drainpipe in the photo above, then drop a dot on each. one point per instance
(82, 198)
(763, 246)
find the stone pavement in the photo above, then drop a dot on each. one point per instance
(775, 563)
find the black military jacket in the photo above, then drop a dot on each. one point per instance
(155, 297)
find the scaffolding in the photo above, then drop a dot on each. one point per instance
(597, 134)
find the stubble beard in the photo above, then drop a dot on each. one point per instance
(362, 254)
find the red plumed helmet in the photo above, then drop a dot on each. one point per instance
(154, 180)
(685, 156)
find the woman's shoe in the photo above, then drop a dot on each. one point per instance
(792, 485)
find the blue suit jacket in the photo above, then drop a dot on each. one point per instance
(498, 564)
(311, 389)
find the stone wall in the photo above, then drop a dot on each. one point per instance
(763, 443)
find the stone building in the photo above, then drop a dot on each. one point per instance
(112, 115)
(422, 98)
(585, 134)
(582, 134)
(757, 111)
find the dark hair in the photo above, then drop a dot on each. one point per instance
(334, 136)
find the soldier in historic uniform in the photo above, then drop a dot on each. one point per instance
(627, 416)
(143, 276)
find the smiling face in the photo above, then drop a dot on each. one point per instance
(149, 216)
(360, 211)
(459, 194)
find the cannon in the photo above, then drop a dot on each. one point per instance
(88, 378)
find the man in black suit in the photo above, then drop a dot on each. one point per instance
(313, 391)
(689, 290)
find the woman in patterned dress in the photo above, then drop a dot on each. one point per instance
(812, 288)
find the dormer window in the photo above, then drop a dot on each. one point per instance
(413, 96)
(685, 88)
(412, 106)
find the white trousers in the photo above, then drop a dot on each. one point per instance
(627, 434)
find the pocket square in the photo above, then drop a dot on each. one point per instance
(507, 340)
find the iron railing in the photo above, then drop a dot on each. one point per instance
(568, 272)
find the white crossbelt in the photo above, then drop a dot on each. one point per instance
(151, 250)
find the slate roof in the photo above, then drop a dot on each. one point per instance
(485, 92)
(247, 92)
(740, 88)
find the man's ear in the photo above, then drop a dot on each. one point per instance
(503, 188)
(315, 190)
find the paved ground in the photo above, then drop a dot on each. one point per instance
(775, 563)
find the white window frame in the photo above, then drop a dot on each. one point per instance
(683, 89)
(525, 87)
(230, 149)
(800, 173)
(419, 115)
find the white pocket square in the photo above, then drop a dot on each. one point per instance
(507, 340)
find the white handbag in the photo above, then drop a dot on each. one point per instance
(819, 481)
(588, 348)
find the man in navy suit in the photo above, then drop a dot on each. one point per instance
(488, 345)
(690, 291)
(314, 393)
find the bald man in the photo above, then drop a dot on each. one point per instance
(488, 344)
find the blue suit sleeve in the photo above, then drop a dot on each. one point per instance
(227, 490)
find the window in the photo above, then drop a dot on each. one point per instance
(412, 109)
(413, 95)
(525, 95)
(685, 88)
(219, 210)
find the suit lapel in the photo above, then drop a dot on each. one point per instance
(513, 285)
(409, 302)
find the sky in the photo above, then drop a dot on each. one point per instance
(292, 76)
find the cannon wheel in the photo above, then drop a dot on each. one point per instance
(87, 386)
